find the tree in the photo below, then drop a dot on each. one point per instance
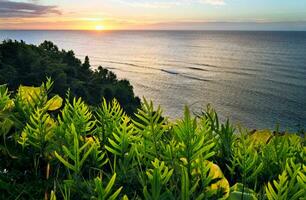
(25, 64)
(86, 64)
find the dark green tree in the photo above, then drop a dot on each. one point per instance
(86, 64)
(26, 64)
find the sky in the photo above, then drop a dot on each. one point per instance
(153, 14)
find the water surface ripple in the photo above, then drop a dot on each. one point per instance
(256, 79)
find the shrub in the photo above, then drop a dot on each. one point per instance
(64, 149)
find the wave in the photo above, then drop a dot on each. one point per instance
(279, 71)
(287, 66)
(173, 72)
(197, 69)
(170, 71)
(127, 63)
(206, 65)
(123, 70)
(285, 83)
(194, 78)
(239, 73)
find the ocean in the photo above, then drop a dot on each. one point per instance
(256, 79)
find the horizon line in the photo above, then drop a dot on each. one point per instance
(109, 30)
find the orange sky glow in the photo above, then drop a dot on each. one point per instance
(151, 14)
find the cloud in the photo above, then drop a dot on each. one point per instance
(150, 4)
(13, 9)
(168, 3)
(214, 2)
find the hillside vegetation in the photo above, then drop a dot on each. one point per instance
(25, 64)
(55, 148)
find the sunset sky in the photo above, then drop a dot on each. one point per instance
(154, 14)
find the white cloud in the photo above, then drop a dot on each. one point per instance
(168, 3)
(155, 4)
(214, 2)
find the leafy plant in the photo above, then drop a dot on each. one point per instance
(78, 154)
(150, 124)
(223, 134)
(109, 116)
(105, 192)
(121, 146)
(52, 196)
(239, 191)
(246, 161)
(291, 184)
(275, 153)
(38, 131)
(123, 136)
(158, 178)
(192, 142)
(4, 98)
(77, 113)
(54, 151)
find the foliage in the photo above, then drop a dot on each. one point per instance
(104, 193)
(60, 149)
(239, 191)
(151, 127)
(291, 184)
(78, 154)
(158, 177)
(25, 64)
(246, 161)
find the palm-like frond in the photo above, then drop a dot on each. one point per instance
(193, 144)
(291, 184)
(38, 131)
(77, 113)
(109, 116)
(158, 177)
(123, 136)
(78, 154)
(151, 126)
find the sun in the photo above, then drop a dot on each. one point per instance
(99, 28)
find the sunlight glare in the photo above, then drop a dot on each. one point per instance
(99, 28)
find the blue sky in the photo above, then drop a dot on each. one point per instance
(154, 14)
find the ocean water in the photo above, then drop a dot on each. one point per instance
(257, 79)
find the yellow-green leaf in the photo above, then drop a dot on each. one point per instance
(261, 137)
(216, 173)
(29, 94)
(54, 103)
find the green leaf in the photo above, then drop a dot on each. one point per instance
(67, 164)
(185, 185)
(238, 192)
(110, 184)
(115, 194)
(54, 103)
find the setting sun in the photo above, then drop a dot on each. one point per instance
(99, 28)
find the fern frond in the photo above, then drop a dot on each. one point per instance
(158, 179)
(193, 143)
(38, 131)
(80, 115)
(151, 126)
(77, 154)
(123, 137)
(109, 116)
(290, 184)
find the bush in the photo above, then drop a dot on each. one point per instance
(53, 148)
